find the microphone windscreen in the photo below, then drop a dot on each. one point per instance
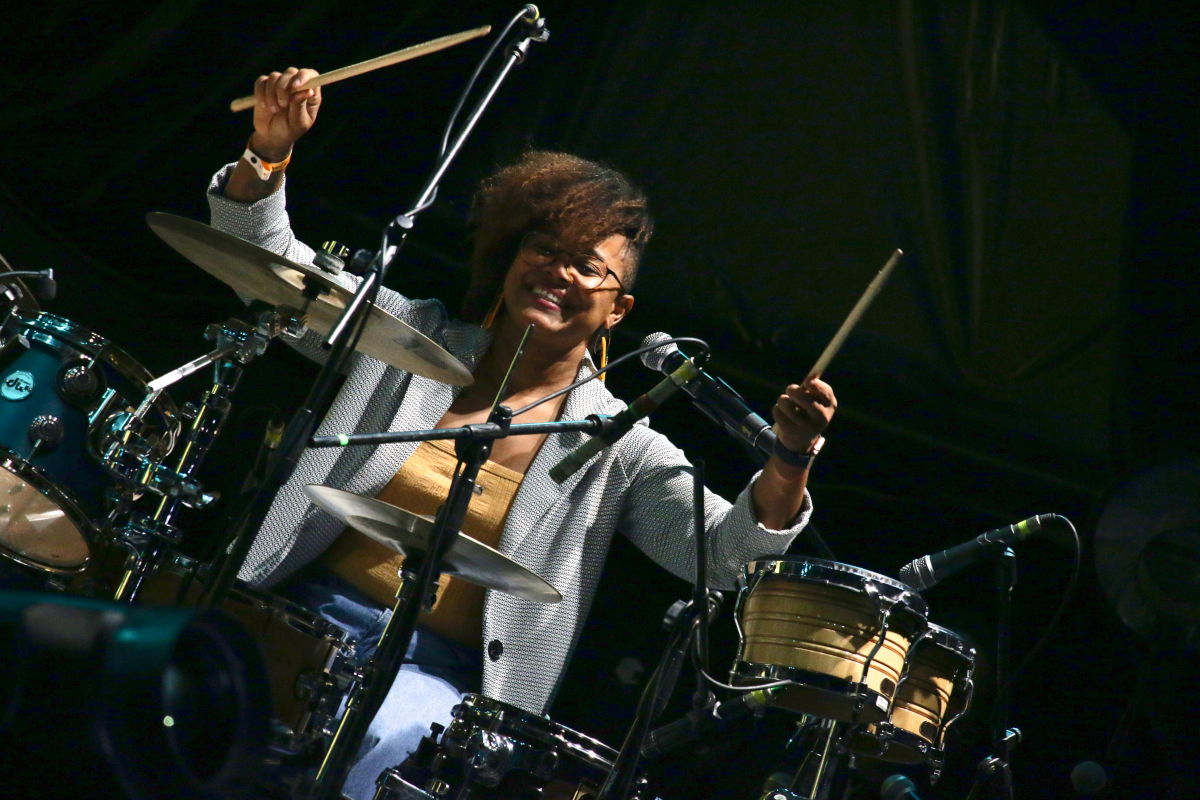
(1088, 777)
(898, 787)
(654, 358)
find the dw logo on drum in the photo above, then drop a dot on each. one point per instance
(17, 386)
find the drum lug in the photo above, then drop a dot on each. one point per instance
(491, 758)
(79, 382)
(45, 432)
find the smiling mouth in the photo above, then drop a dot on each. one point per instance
(543, 294)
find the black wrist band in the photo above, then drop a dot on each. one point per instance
(801, 460)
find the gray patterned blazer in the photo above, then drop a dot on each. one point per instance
(639, 485)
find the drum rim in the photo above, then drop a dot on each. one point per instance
(60, 496)
(104, 349)
(522, 721)
(947, 639)
(836, 573)
(775, 672)
(285, 610)
(904, 737)
(269, 602)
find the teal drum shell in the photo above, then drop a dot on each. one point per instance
(64, 390)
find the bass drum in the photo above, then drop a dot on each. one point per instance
(309, 660)
(65, 395)
(496, 751)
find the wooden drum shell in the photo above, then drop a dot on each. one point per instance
(823, 635)
(935, 691)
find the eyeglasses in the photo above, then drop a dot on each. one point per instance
(540, 250)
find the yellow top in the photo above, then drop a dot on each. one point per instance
(421, 486)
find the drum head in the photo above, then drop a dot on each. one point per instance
(40, 526)
(835, 573)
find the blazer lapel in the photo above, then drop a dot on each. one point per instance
(426, 402)
(538, 491)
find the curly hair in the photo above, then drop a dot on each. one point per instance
(569, 196)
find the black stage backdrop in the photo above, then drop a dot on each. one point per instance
(1035, 161)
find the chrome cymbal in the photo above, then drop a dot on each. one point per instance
(406, 533)
(256, 272)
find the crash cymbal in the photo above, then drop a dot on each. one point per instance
(262, 275)
(406, 533)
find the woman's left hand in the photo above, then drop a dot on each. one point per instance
(802, 412)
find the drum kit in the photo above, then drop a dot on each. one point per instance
(96, 461)
(89, 438)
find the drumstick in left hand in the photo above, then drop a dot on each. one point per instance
(856, 313)
(408, 53)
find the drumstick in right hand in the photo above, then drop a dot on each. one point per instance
(407, 54)
(856, 313)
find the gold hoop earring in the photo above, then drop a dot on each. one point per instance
(490, 319)
(604, 353)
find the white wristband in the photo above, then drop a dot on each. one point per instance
(262, 167)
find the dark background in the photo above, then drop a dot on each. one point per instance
(1036, 162)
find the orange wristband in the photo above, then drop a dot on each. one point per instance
(263, 167)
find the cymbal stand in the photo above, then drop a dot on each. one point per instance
(813, 781)
(147, 537)
(418, 578)
(249, 514)
(994, 772)
(685, 620)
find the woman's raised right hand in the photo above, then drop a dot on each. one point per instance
(284, 110)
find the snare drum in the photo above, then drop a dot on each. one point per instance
(497, 751)
(839, 633)
(307, 657)
(64, 391)
(935, 691)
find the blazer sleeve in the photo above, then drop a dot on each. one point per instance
(658, 517)
(266, 224)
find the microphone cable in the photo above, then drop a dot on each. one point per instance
(462, 98)
(1062, 605)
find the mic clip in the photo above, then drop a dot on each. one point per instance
(606, 425)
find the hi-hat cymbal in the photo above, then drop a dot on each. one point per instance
(407, 533)
(257, 272)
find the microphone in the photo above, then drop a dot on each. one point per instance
(898, 787)
(713, 717)
(1088, 778)
(625, 420)
(719, 402)
(46, 286)
(929, 571)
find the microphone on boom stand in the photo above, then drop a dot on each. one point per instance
(624, 421)
(928, 571)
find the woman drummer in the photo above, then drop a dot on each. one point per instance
(558, 241)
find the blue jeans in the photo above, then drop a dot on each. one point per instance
(436, 673)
